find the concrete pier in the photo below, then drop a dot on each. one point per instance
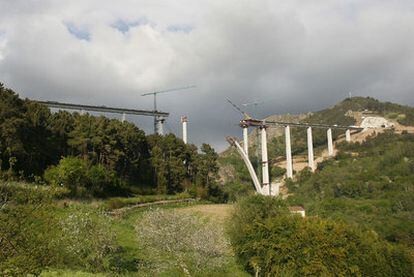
(348, 135)
(160, 126)
(311, 162)
(289, 165)
(265, 162)
(246, 139)
(272, 191)
(330, 143)
(184, 121)
(123, 117)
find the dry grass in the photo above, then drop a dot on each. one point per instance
(219, 212)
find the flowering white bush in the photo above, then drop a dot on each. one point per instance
(191, 243)
(87, 239)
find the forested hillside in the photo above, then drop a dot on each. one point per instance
(367, 184)
(359, 216)
(97, 156)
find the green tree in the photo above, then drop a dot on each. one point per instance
(269, 240)
(24, 134)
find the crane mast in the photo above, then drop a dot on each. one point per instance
(159, 120)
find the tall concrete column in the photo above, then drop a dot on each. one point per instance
(348, 135)
(330, 143)
(184, 121)
(246, 139)
(310, 150)
(160, 126)
(265, 163)
(289, 166)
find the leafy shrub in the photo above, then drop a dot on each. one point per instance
(250, 210)
(27, 229)
(101, 181)
(115, 203)
(276, 172)
(71, 173)
(269, 240)
(236, 190)
(216, 194)
(81, 178)
(35, 234)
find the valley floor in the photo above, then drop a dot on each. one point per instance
(125, 227)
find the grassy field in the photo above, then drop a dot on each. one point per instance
(136, 260)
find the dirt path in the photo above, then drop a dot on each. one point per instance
(121, 211)
(219, 212)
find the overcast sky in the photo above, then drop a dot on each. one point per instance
(296, 56)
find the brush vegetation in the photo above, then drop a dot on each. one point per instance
(369, 184)
(43, 233)
(270, 241)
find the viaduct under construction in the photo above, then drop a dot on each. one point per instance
(159, 116)
(262, 187)
(265, 187)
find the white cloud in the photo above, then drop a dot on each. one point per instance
(295, 55)
(3, 42)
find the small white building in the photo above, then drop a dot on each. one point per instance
(297, 210)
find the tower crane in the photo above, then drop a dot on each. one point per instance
(254, 104)
(158, 120)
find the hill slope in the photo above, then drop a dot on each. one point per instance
(350, 111)
(370, 184)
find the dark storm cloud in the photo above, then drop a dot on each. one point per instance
(296, 56)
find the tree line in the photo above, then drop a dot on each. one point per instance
(111, 156)
(270, 241)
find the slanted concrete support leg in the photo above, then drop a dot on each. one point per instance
(265, 163)
(246, 140)
(348, 135)
(184, 121)
(330, 143)
(289, 165)
(311, 163)
(249, 165)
